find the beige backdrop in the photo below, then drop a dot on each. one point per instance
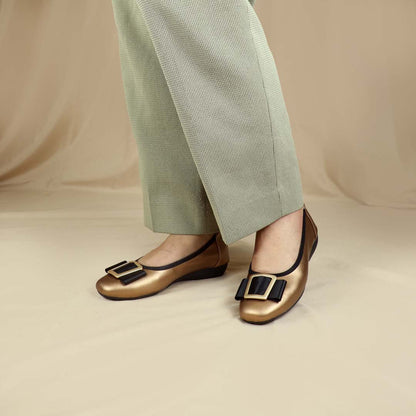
(347, 71)
(70, 205)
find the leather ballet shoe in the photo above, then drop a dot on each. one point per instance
(265, 296)
(133, 280)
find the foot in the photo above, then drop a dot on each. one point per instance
(174, 248)
(200, 257)
(277, 245)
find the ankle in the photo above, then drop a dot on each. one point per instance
(175, 246)
(277, 245)
(189, 240)
(284, 227)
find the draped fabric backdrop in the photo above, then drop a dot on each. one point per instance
(70, 205)
(347, 71)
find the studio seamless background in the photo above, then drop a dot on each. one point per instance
(347, 72)
(70, 205)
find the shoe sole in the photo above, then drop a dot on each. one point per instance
(197, 275)
(315, 243)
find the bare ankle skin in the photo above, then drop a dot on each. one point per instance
(173, 248)
(277, 245)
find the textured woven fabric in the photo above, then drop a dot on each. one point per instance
(208, 113)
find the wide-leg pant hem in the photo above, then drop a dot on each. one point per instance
(253, 216)
(174, 216)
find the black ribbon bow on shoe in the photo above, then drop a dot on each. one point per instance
(119, 271)
(262, 287)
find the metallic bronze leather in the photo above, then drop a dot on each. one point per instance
(154, 281)
(262, 311)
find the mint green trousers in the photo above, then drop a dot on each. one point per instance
(206, 107)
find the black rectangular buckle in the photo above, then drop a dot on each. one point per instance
(125, 269)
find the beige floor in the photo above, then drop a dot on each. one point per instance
(347, 348)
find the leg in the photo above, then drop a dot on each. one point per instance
(222, 97)
(174, 199)
(225, 87)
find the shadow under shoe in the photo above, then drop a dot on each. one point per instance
(266, 296)
(133, 280)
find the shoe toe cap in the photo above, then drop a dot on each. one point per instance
(108, 286)
(259, 311)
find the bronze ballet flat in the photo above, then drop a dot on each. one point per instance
(266, 296)
(133, 280)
